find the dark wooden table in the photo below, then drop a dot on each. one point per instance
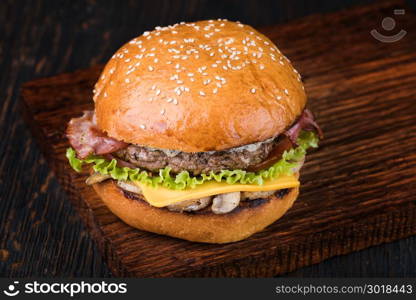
(40, 233)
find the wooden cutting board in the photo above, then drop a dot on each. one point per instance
(358, 189)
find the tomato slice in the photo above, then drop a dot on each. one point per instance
(275, 155)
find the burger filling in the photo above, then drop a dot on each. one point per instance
(189, 182)
(245, 158)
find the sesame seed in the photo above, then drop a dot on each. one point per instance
(127, 80)
(150, 68)
(157, 92)
(153, 87)
(253, 90)
(261, 67)
(142, 126)
(162, 112)
(278, 97)
(201, 93)
(286, 91)
(215, 90)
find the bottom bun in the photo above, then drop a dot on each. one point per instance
(248, 218)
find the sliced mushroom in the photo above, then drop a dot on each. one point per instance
(256, 195)
(190, 205)
(225, 203)
(128, 186)
(96, 178)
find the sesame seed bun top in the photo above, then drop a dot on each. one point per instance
(208, 85)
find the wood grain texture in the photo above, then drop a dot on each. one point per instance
(358, 189)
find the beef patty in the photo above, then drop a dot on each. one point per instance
(245, 158)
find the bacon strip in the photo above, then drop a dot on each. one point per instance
(307, 122)
(86, 138)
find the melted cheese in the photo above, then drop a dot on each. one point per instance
(160, 196)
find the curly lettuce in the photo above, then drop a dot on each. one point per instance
(183, 180)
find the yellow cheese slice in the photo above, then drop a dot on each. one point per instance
(160, 196)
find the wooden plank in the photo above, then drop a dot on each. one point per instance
(358, 190)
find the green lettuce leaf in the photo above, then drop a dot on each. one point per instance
(290, 159)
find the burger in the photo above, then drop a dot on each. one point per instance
(199, 131)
